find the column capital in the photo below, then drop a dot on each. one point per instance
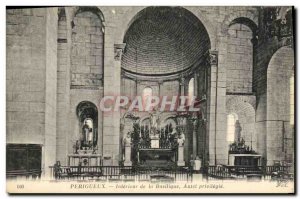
(181, 81)
(160, 82)
(119, 49)
(213, 57)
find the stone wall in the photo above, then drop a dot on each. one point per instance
(80, 74)
(87, 50)
(54, 64)
(31, 79)
(128, 87)
(239, 59)
(168, 88)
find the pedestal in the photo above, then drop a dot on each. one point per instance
(197, 165)
(180, 161)
(127, 161)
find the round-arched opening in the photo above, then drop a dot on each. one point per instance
(231, 122)
(241, 122)
(164, 40)
(87, 114)
(87, 50)
(280, 105)
(147, 94)
(240, 49)
(191, 93)
(280, 84)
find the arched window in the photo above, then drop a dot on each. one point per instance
(231, 120)
(191, 91)
(292, 103)
(147, 92)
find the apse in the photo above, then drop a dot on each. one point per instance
(164, 40)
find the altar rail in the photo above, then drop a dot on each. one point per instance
(120, 173)
(236, 172)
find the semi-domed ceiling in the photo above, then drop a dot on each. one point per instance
(164, 40)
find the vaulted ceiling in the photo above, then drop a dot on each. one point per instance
(164, 40)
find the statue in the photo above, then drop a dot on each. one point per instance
(85, 134)
(238, 130)
(127, 139)
(127, 150)
(197, 164)
(76, 146)
(181, 139)
(154, 121)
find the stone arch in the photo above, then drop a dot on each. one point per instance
(245, 21)
(135, 12)
(279, 72)
(241, 41)
(77, 9)
(281, 49)
(236, 106)
(180, 29)
(170, 120)
(248, 18)
(166, 116)
(88, 110)
(231, 100)
(87, 51)
(143, 119)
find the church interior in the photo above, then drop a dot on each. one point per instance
(236, 63)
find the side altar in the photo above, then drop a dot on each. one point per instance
(241, 154)
(85, 149)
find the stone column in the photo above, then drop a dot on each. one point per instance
(160, 83)
(195, 147)
(112, 87)
(218, 146)
(196, 84)
(181, 87)
(212, 106)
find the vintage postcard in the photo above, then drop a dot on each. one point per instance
(152, 99)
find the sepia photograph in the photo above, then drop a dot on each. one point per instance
(150, 99)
